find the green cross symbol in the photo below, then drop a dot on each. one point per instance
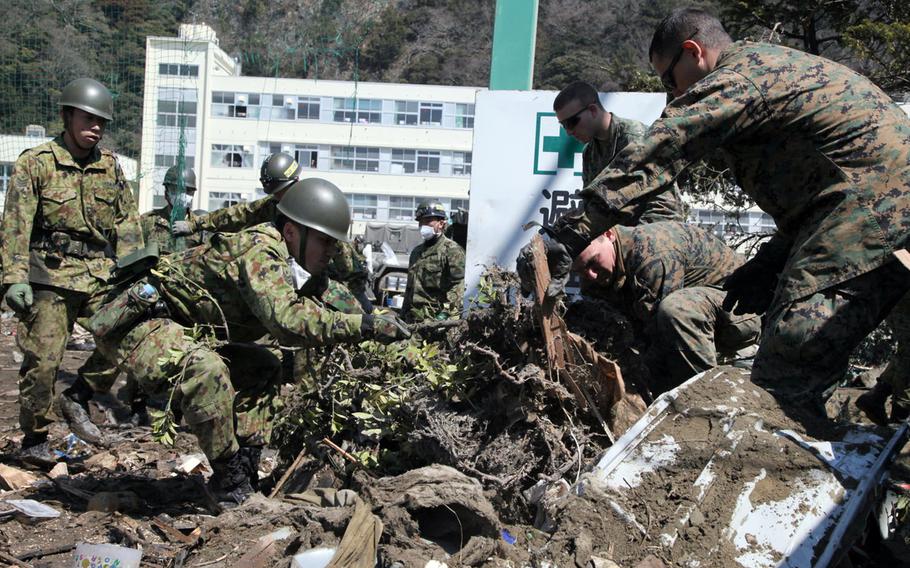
(565, 145)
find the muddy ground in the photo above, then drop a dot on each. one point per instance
(477, 513)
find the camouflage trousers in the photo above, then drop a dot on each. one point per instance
(228, 394)
(806, 344)
(897, 372)
(693, 333)
(42, 335)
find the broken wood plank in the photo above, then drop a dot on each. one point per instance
(287, 474)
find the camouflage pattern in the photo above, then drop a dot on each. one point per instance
(897, 372)
(236, 289)
(598, 154)
(156, 228)
(822, 150)
(237, 217)
(667, 278)
(349, 267)
(62, 228)
(435, 280)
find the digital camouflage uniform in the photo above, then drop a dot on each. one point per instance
(156, 228)
(667, 278)
(435, 280)
(221, 297)
(827, 155)
(599, 153)
(63, 225)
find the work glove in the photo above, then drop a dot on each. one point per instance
(558, 260)
(20, 297)
(384, 328)
(182, 229)
(750, 288)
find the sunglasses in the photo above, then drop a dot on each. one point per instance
(573, 120)
(666, 77)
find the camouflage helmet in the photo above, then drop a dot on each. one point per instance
(88, 95)
(430, 209)
(317, 204)
(278, 172)
(172, 177)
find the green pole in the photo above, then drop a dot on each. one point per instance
(514, 37)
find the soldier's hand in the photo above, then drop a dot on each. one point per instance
(750, 289)
(182, 229)
(558, 260)
(384, 328)
(20, 297)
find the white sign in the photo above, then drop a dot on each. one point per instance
(527, 168)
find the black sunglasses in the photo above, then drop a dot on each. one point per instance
(572, 121)
(666, 77)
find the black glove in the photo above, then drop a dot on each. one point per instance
(750, 288)
(558, 260)
(384, 328)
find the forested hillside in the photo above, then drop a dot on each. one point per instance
(48, 42)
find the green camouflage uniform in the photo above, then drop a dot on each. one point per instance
(63, 226)
(236, 289)
(156, 228)
(599, 153)
(826, 154)
(349, 267)
(435, 280)
(667, 278)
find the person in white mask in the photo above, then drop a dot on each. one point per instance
(157, 225)
(435, 287)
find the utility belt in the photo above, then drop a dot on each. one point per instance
(58, 244)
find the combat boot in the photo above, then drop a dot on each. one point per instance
(36, 450)
(899, 412)
(872, 403)
(139, 412)
(253, 454)
(231, 482)
(74, 407)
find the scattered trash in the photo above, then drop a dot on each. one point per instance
(165, 524)
(104, 460)
(74, 447)
(507, 536)
(14, 479)
(105, 556)
(59, 470)
(32, 509)
(193, 463)
(262, 551)
(314, 558)
(111, 501)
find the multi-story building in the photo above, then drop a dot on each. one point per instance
(387, 146)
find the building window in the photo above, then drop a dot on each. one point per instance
(363, 206)
(6, 171)
(232, 156)
(282, 107)
(178, 69)
(307, 156)
(236, 105)
(464, 115)
(219, 199)
(456, 204)
(355, 159)
(403, 161)
(307, 108)
(402, 208)
(406, 112)
(461, 163)
(363, 111)
(427, 162)
(177, 107)
(167, 160)
(431, 114)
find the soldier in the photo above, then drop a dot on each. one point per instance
(156, 224)
(436, 269)
(69, 213)
(221, 297)
(894, 381)
(820, 148)
(580, 112)
(277, 173)
(667, 277)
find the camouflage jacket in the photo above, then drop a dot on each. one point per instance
(243, 282)
(435, 280)
(63, 223)
(237, 217)
(349, 266)
(598, 154)
(156, 228)
(656, 259)
(819, 148)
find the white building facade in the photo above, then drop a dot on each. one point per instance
(387, 146)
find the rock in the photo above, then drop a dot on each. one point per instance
(14, 479)
(696, 518)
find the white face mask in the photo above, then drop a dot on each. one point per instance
(298, 273)
(186, 200)
(427, 232)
